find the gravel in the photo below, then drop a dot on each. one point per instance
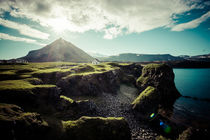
(119, 106)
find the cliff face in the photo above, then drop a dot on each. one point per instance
(157, 83)
(96, 83)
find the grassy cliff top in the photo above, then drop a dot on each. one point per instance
(22, 76)
(20, 85)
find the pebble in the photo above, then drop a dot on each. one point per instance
(119, 106)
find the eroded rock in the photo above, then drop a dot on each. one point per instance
(157, 82)
(96, 128)
(19, 125)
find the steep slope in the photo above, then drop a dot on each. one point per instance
(132, 57)
(59, 50)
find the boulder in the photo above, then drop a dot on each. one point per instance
(96, 128)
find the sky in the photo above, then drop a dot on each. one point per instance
(108, 27)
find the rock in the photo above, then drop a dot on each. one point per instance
(194, 134)
(96, 128)
(16, 124)
(132, 69)
(157, 81)
(147, 101)
(39, 99)
(96, 83)
(70, 109)
(90, 84)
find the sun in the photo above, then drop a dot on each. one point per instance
(59, 25)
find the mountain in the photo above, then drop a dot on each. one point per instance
(204, 57)
(59, 50)
(132, 57)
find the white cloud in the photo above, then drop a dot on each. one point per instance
(14, 38)
(112, 32)
(108, 16)
(192, 24)
(24, 29)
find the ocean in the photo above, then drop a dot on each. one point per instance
(193, 83)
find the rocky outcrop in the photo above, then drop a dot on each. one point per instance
(36, 98)
(103, 82)
(147, 101)
(157, 82)
(96, 128)
(91, 84)
(69, 109)
(19, 125)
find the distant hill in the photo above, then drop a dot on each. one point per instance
(132, 57)
(204, 57)
(59, 50)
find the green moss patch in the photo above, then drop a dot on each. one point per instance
(25, 125)
(91, 128)
(67, 99)
(20, 85)
(149, 70)
(147, 93)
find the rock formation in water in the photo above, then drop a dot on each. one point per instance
(159, 90)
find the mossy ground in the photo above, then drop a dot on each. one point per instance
(149, 68)
(24, 81)
(145, 94)
(20, 85)
(92, 128)
(33, 69)
(67, 99)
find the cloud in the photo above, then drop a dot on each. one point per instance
(24, 29)
(108, 16)
(112, 32)
(192, 24)
(14, 38)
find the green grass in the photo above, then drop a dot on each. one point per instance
(29, 69)
(24, 75)
(146, 93)
(9, 72)
(148, 68)
(19, 85)
(87, 69)
(77, 123)
(67, 99)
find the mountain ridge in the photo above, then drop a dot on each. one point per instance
(134, 57)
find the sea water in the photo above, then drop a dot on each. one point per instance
(193, 83)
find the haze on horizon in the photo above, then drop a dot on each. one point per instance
(177, 27)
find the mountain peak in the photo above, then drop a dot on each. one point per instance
(59, 39)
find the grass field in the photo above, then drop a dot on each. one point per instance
(23, 76)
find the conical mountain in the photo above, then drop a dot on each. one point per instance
(59, 50)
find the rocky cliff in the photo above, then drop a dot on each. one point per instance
(158, 88)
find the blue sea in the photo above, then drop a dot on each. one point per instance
(193, 83)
